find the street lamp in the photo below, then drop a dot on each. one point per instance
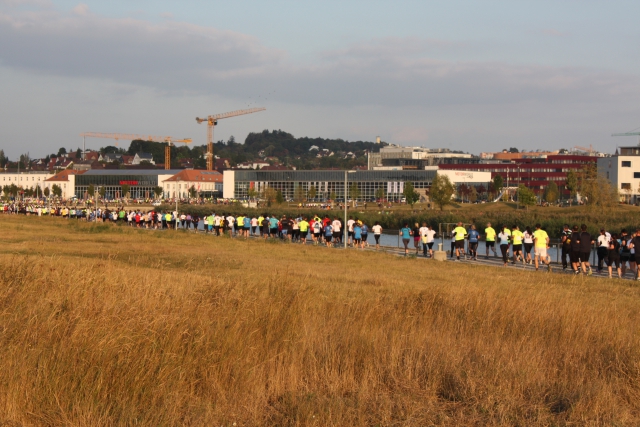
(177, 195)
(346, 172)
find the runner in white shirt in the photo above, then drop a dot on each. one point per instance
(377, 231)
(336, 226)
(422, 231)
(254, 226)
(231, 220)
(431, 235)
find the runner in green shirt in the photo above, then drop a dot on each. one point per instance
(516, 239)
(460, 233)
(541, 243)
(490, 239)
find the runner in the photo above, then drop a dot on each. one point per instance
(303, 227)
(503, 238)
(516, 239)
(365, 234)
(377, 231)
(405, 232)
(357, 235)
(490, 240)
(614, 256)
(459, 234)
(528, 245)
(328, 234)
(416, 237)
(423, 232)
(603, 249)
(541, 242)
(575, 249)
(473, 243)
(586, 242)
(431, 235)
(566, 245)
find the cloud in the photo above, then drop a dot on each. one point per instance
(81, 9)
(554, 33)
(182, 58)
(168, 56)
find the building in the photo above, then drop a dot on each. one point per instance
(24, 180)
(508, 155)
(623, 170)
(141, 182)
(368, 185)
(535, 174)
(66, 181)
(416, 158)
(205, 183)
(143, 157)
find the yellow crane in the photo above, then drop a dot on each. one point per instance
(132, 136)
(212, 121)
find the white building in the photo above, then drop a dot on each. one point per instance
(205, 183)
(623, 170)
(25, 180)
(465, 177)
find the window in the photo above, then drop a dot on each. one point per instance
(626, 164)
(636, 174)
(625, 186)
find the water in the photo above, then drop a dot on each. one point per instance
(391, 238)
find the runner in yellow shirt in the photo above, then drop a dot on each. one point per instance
(490, 239)
(541, 243)
(459, 234)
(516, 238)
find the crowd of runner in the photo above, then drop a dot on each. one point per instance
(516, 245)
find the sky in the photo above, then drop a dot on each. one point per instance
(466, 75)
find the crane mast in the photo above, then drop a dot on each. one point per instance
(212, 121)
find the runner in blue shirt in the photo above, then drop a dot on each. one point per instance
(328, 234)
(405, 232)
(473, 236)
(357, 235)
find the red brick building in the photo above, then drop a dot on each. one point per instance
(534, 173)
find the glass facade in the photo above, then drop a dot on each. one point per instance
(361, 185)
(141, 182)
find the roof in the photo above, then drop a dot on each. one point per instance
(144, 155)
(64, 175)
(132, 172)
(196, 175)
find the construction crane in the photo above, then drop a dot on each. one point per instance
(212, 121)
(131, 137)
(589, 150)
(628, 134)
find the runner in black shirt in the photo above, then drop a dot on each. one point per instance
(586, 242)
(575, 250)
(566, 245)
(614, 255)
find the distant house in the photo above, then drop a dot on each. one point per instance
(143, 157)
(314, 147)
(110, 158)
(127, 160)
(252, 165)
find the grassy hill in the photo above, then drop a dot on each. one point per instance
(105, 325)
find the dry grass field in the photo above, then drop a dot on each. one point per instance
(106, 326)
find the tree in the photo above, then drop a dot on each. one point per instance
(410, 193)
(3, 159)
(279, 197)
(333, 195)
(102, 191)
(312, 192)
(193, 192)
(526, 197)
(380, 193)
(596, 189)
(61, 151)
(572, 183)
(252, 193)
(91, 190)
(513, 150)
(56, 190)
(551, 193)
(78, 153)
(498, 183)
(46, 192)
(269, 194)
(125, 190)
(441, 190)
(354, 191)
(157, 190)
(473, 195)
(298, 194)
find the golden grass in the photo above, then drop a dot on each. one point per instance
(112, 326)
